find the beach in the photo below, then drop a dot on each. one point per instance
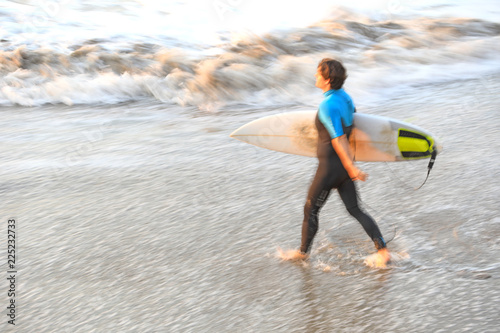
(136, 212)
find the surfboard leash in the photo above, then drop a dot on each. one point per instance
(365, 204)
(429, 168)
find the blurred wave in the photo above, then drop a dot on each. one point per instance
(271, 69)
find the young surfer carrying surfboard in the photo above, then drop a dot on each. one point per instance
(336, 169)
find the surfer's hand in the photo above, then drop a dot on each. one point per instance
(361, 176)
(357, 174)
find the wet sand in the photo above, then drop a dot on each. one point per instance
(141, 217)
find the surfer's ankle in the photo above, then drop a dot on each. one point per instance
(380, 243)
(299, 255)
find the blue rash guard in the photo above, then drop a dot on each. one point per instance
(336, 112)
(334, 118)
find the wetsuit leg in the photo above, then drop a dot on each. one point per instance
(347, 191)
(316, 198)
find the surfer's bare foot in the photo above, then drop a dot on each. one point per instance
(292, 255)
(379, 259)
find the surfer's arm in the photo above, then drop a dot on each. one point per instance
(341, 146)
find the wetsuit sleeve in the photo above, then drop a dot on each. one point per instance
(331, 119)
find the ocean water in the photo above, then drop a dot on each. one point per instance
(137, 213)
(194, 53)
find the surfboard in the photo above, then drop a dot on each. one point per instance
(373, 138)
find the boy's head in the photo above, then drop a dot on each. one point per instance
(333, 70)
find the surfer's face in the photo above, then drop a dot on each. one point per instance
(321, 82)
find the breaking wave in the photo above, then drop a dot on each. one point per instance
(271, 69)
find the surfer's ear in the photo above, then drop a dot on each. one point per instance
(328, 82)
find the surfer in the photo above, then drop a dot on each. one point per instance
(336, 169)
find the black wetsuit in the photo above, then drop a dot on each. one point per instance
(332, 174)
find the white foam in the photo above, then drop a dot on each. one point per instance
(105, 55)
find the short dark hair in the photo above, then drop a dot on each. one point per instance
(333, 70)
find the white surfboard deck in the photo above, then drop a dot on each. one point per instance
(373, 139)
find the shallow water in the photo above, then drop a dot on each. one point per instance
(141, 217)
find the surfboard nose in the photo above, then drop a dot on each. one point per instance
(239, 135)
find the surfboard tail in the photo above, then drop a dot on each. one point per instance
(415, 144)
